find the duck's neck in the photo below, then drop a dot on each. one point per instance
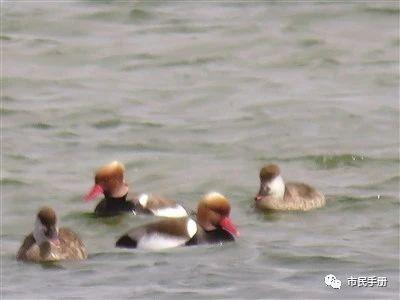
(45, 249)
(108, 197)
(208, 227)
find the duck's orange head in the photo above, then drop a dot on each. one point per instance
(213, 211)
(109, 180)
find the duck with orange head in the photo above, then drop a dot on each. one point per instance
(110, 181)
(213, 225)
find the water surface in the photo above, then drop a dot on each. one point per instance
(195, 97)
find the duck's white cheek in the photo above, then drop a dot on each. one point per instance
(277, 187)
(160, 241)
(38, 232)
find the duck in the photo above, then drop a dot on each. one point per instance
(212, 225)
(110, 182)
(275, 194)
(48, 243)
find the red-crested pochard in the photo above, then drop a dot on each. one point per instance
(48, 243)
(274, 194)
(109, 181)
(213, 225)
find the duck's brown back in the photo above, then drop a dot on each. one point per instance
(27, 245)
(71, 245)
(71, 248)
(157, 202)
(298, 196)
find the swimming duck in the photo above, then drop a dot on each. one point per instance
(48, 243)
(213, 225)
(274, 194)
(109, 181)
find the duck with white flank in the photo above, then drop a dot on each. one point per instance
(110, 182)
(213, 226)
(274, 194)
(48, 243)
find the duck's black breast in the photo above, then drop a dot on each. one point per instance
(126, 241)
(109, 207)
(215, 236)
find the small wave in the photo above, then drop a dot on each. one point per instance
(12, 182)
(192, 62)
(41, 41)
(309, 259)
(139, 147)
(80, 215)
(382, 10)
(91, 218)
(41, 125)
(107, 123)
(150, 124)
(20, 157)
(137, 14)
(8, 99)
(66, 134)
(348, 199)
(8, 112)
(358, 204)
(382, 62)
(333, 161)
(5, 38)
(104, 16)
(310, 42)
(107, 255)
(52, 265)
(32, 83)
(378, 185)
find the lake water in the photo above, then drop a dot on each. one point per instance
(195, 97)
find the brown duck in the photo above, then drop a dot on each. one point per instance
(274, 194)
(48, 243)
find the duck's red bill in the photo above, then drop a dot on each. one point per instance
(228, 225)
(55, 241)
(258, 198)
(96, 191)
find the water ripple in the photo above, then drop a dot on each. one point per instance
(333, 161)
